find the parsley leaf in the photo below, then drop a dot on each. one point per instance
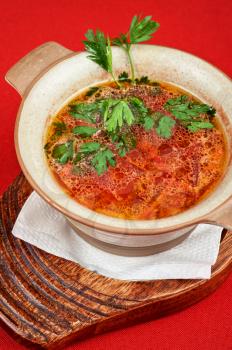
(165, 126)
(176, 101)
(120, 114)
(139, 109)
(122, 150)
(84, 131)
(99, 49)
(84, 111)
(141, 29)
(148, 123)
(89, 147)
(59, 128)
(122, 41)
(106, 107)
(85, 150)
(63, 152)
(92, 91)
(143, 80)
(101, 160)
(124, 142)
(124, 77)
(197, 125)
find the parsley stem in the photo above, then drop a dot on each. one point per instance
(127, 50)
(114, 78)
(131, 65)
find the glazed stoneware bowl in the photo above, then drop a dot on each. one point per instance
(49, 76)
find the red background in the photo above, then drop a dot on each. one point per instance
(202, 28)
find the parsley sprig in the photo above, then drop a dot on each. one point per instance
(63, 152)
(83, 111)
(100, 156)
(189, 113)
(99, 49)
(165, 126)
(102, 159)
(59, 128)
(162, 123)
(84, 131)
(117, 114)
(141, 29)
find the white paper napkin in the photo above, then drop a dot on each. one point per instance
(44, 227)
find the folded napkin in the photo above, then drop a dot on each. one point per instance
(44, 227)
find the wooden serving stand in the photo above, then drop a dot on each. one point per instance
(48, 302)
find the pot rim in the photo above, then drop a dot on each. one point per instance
(88, 222)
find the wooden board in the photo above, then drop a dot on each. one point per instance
(48, 302)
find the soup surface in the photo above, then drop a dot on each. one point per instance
(136, 168)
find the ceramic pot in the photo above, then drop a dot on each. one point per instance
(49, 76)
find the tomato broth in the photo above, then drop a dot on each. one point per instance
(155, 176)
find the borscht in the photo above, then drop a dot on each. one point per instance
(146, 150)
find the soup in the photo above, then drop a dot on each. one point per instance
(145, 151)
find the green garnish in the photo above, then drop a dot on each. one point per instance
(117, 114)
(63, 152)
(162, 123)
(89, 147)
(139, 109)
(189, 113)
(124, 77)
(122, 150)
(100, 156)
(183, 108)
(59, 128)
(143, 80)
(85, 150)
(148, 123)
(116, 117)
(92, 91)
(196, 126)
(141, 29)
(165, 126)
(84, 111)
(99, 49)
(124, 143)
(84, 131)
(47, 147)
(102, 159)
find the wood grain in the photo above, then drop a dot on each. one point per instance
(48, 301)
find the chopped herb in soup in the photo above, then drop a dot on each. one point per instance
(142, 151)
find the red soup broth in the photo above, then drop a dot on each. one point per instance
(159, 177)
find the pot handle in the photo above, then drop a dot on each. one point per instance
(21, 75)
(222, 216)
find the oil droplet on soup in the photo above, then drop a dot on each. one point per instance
(158, 178)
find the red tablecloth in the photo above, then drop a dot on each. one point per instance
(202, 28)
